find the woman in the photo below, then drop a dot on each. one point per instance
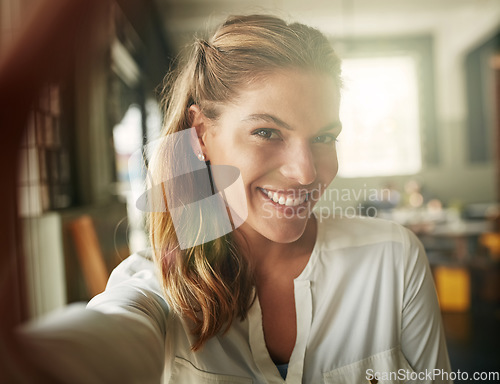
(286, 294)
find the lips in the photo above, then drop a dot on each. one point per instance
(284, 199)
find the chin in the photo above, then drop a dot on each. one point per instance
(282, 230)
(285, 238)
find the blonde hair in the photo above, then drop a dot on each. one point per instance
(212, 283)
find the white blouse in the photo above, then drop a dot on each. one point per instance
(366, 309)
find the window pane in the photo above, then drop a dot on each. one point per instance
(379, 112)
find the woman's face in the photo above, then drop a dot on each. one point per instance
(280, 133)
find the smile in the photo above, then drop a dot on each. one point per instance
(285, 200)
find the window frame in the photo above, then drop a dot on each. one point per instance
(421, 48)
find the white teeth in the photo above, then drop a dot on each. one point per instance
(300, 200)
(285, 200)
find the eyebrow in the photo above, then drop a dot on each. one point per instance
(268, 118)
(330, 127)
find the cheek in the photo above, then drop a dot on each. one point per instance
(252, 160)
(335, 167)
(250, 164)
(328, 168)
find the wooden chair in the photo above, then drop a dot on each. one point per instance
(90, 256)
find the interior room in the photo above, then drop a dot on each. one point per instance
(420, 142)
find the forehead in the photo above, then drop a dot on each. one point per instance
(297, 97)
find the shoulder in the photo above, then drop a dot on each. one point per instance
(139, 265)
(369, 241)
(346, 232)
(134, 283)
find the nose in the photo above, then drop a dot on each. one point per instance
(299, 164)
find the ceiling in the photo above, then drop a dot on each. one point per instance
(342, 18)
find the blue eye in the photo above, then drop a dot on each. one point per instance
(325, 139)
(266, 133)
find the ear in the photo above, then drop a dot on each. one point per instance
(200, 124)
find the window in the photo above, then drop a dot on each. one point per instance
(388, 106)
(380, 115)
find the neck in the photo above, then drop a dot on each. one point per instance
(269, 258)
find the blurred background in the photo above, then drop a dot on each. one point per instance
(420, 145)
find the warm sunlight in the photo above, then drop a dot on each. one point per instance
(379, 112)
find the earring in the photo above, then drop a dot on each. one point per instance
(201, 156)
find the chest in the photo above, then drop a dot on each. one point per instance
(279, 321)
(348, 312)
